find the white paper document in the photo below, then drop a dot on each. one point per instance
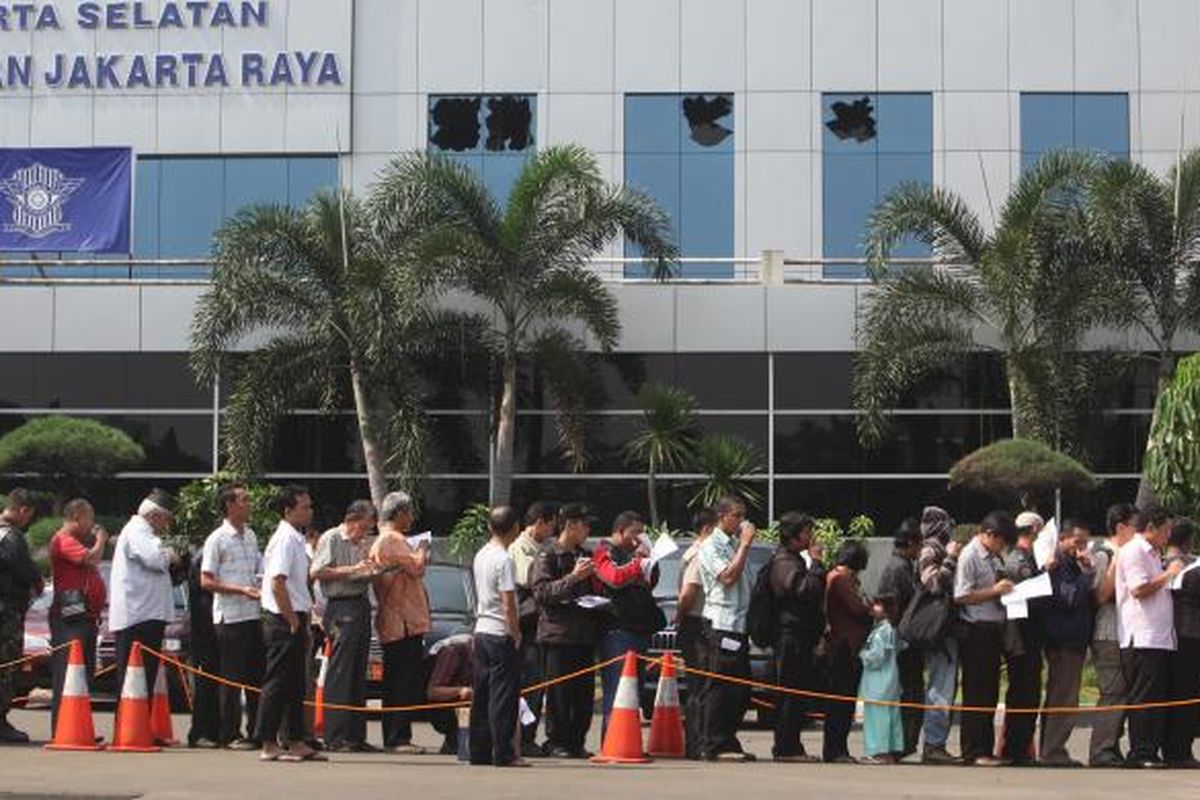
(526, 713)
(417, 540)
(1017, 610)
(1177, 581)
(732, 645)
(592, 601)
(1046, 543)
(663, 546)
(1025, 591)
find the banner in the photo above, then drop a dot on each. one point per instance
(65, 199)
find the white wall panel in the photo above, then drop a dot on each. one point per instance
(62, 120)
(978, 177)
(1159, 120)
(385, 45)
(26, 319)
(15, 120)
(514, 45)
(976, 121)
(778, 203)
(712, 45)
(647, 318)
(78, 326)
(975, 42)
(585, 119)
(1170, 30)
(698, 306)
(843, 45)
(162, 310)
(387, 123)
(581, 45)
(812, 318)
(450, 41)
(647, 45)
(1106, 45)
(778, 44)
(313, 123)
(910, 38)
(189, 124)
(253, 123)
(778, 121)
(1041, 45)
(127, 121)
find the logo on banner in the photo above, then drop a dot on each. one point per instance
(37, 194)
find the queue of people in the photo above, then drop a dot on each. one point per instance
(548, 608)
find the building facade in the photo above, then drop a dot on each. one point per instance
(767, 128)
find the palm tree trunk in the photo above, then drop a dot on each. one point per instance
(652, 494)
(372, 451)
(1146, 495)
(506, 431)
(1018, 399)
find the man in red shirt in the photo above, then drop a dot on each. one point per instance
(79, 592)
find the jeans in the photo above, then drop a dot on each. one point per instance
(497, 687)
(942, 666)
(617, 642)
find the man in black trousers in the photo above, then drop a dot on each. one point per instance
(497, 656)
(206, 706)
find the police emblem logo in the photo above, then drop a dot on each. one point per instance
(37, 194)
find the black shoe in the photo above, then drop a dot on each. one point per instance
(11, 735)
(1107, 761)
(532, 750)
(244, 745)
(581, 753)
(203, 744)
(559, 752)
(1184, 763)
(1148, 763)
(449, 746)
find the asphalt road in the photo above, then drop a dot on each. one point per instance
(180, 773)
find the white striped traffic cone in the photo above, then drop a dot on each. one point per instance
(74, 729)
(133, 712)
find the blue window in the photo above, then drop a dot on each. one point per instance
(492, 134)
(679, 150)
(1085, 121)
(872, 143)
(180, 202)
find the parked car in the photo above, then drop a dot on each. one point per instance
(35, 674)
(177, 641)
(451, 592)
(666, 593)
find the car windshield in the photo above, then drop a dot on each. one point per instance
(670, 568)
(447, 587)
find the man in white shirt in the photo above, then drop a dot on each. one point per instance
(229, 570)
(286, 602)
(495, 695)
(141, 602)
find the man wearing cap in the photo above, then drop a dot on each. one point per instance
(341, 566)
(140, 602)
(936, 565)
(566, 631)
(20, 581)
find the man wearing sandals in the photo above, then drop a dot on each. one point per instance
(286, 602)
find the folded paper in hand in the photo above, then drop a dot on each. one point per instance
(1046, 543)
(663, 546)
(1025, 591)
(417, 540)
(1018, 610)
(1177, 581)
(592, 601)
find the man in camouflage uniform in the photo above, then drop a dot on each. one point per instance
(20, 581)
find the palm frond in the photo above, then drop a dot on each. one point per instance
(934, 215)
(569, 382)
(727, 461)
(578, 294)
(669, 431)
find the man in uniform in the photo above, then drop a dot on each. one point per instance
(20, 582)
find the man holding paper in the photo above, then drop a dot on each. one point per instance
(626, 568)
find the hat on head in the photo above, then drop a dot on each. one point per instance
(576, 511)
(162, 499)
(1029, 519)
(935, 521)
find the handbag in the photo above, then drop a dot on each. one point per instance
(71, 603)
(927, 621)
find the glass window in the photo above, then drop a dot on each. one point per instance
(491, 134)
(872, 144)
(679, 150)
(180, 202)
(1086, 121)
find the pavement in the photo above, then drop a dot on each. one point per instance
(31, 772)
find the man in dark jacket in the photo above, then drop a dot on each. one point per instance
(1185, 661)
(562, 574)
(1022, 648)
(897, 586)
(799, 592)
(20, 582)
(206, 717)
(1066, 621)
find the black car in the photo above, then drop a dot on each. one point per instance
(666, 593)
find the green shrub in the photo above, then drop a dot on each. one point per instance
(68, 452)
(470, 531)
(197, 515)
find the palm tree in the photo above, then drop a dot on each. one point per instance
(1148, 231)
(1029, 291)
(727, 461)
(528, 262)
(337, 311)
(667, 438)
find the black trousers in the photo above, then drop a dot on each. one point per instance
(82, 629)
(241, 647)
(794, 669)
(1147, 680)
(845, 672)
(403, 685)
(911, 663)
(1024, 691)
(206, 695)
(980, 687)
(531, 673)
(570, 704)
(497, 687)
(1185, 685)
(282, 700)
(690, 638)
(149, 634)
(725, 702)
(348, 622)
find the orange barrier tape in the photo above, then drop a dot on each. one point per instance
(377, 709)
(25, 659)
(841, 698)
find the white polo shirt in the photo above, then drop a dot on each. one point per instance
(286, 556)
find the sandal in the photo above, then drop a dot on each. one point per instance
(269, 756)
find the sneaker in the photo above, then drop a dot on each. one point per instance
(734, 757)
(1061, 762)
(203, 744)
(876, 761)
(243, 744)
(799, 758)
(406, 750)
(938, 755)
(990, 761)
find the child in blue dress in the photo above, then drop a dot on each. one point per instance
(883, 732)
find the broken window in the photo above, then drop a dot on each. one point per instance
(872, 143)
(679, 150)
(491, 134)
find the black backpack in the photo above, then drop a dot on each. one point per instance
(762, 619)
(928, 620)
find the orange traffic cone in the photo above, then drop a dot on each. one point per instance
(666, 726)
(133, 712)
(319, 695)
(623, 740)
(161, 727)
(74, 730)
